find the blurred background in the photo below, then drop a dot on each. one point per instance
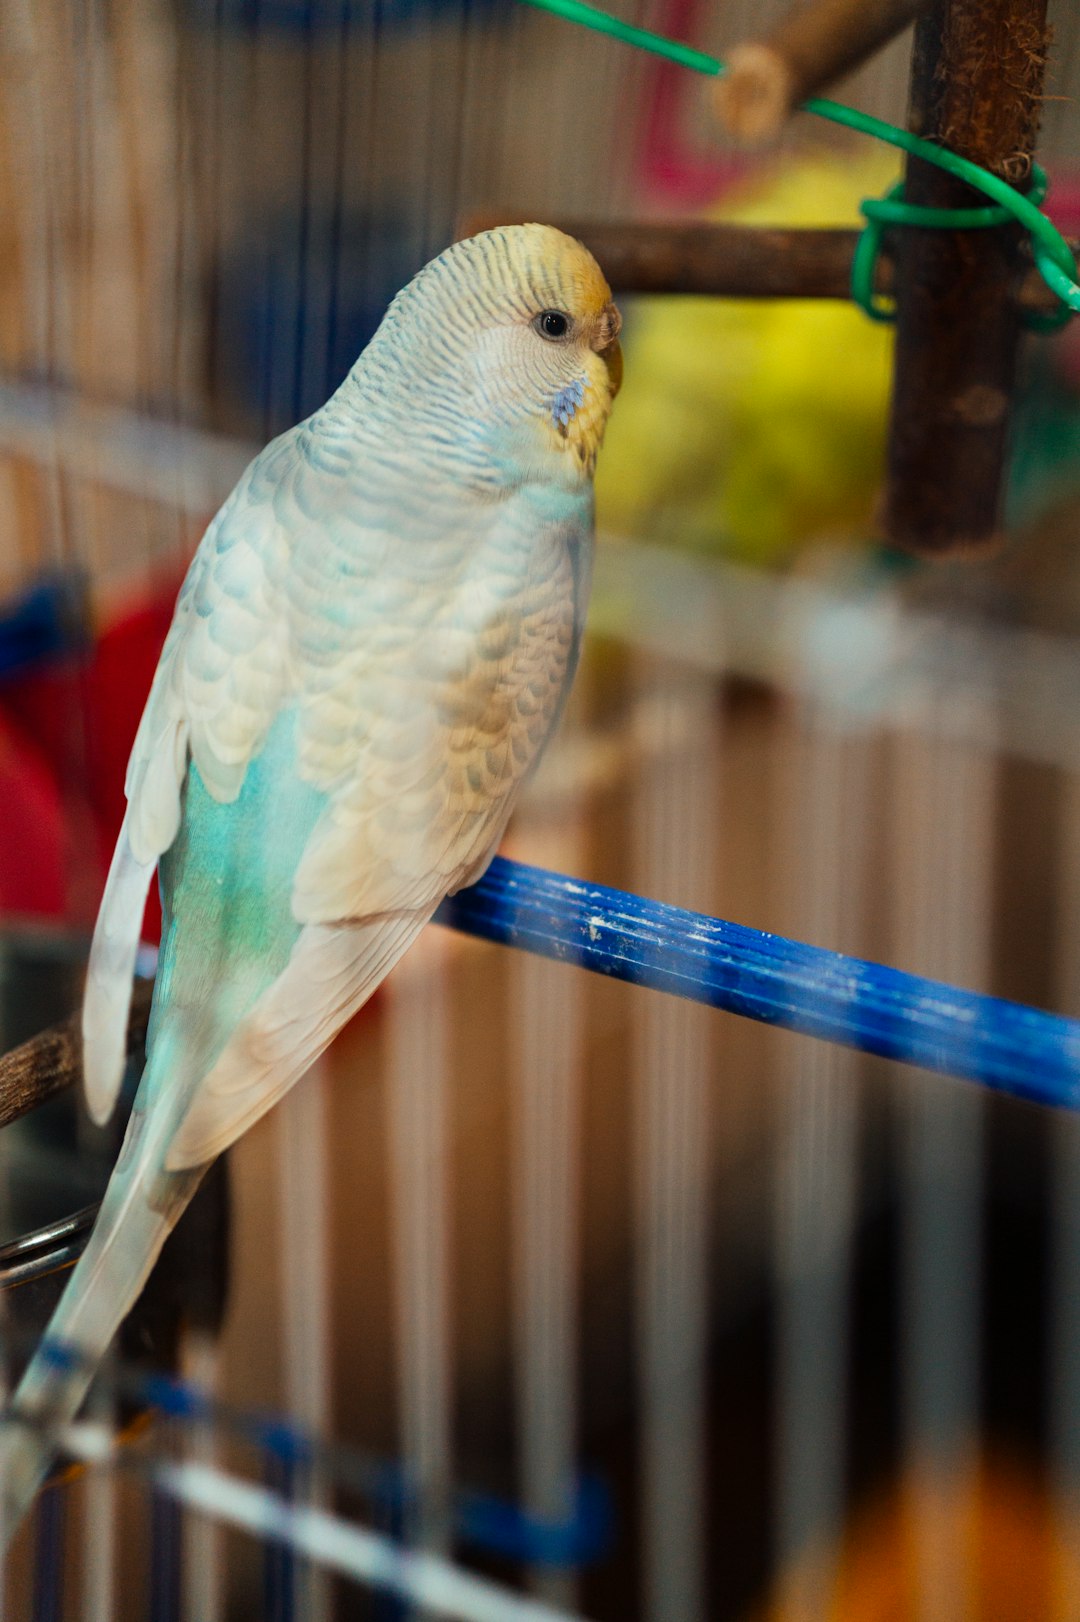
(703, 1320)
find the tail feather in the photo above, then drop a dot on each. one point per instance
(110, 976)
(140, 1209)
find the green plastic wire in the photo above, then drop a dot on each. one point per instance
(1052, 253)
(893, 210)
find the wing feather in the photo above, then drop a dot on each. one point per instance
(107, 999)
(423, 742)
(330, 975)
(425, 662)
(211, 633)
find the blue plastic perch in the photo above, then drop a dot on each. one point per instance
(1004, 1045)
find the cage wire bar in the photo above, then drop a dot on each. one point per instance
(675, 839)
(418, 1152)
(943, 850)
(1065, 1239)
(546, 1013)
(823, 765)
(305, 1294)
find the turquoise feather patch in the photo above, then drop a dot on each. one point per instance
(567, 402)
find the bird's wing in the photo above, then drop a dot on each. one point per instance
(420, 730)
(110, 973)
(422, 649)
(330, 974)
(432, 717)
(218, 684)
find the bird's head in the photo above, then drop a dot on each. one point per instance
(519, 325)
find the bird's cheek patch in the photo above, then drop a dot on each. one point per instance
(567, 403)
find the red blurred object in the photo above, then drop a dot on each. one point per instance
(32, 850)
(123, 666)
(65, 734)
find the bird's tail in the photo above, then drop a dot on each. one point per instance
(140, 1208)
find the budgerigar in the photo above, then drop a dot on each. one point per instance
(370, 649)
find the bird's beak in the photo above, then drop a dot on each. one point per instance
(606, 344)
(612, 359)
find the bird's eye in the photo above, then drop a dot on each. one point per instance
(552, 324)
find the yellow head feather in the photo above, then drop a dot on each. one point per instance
(562, 274)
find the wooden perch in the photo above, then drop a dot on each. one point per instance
(728, 261)
(976, 80)
(735, 261)
(49, 1063)
(767, 79)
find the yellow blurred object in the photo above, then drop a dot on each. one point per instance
(747, 428)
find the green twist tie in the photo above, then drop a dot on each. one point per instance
(1052, 254)
(891, 209)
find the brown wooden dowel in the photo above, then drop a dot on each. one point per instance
(809, 49)
(734, 261)
(976, 79)
(49, 1063)
(731, 261)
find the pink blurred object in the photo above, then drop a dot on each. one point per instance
(670, 172)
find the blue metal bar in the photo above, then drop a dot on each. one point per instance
(279, 1558)
(480, 1519)
(1004, 1045)
(166, 1551)
(49, 1564)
